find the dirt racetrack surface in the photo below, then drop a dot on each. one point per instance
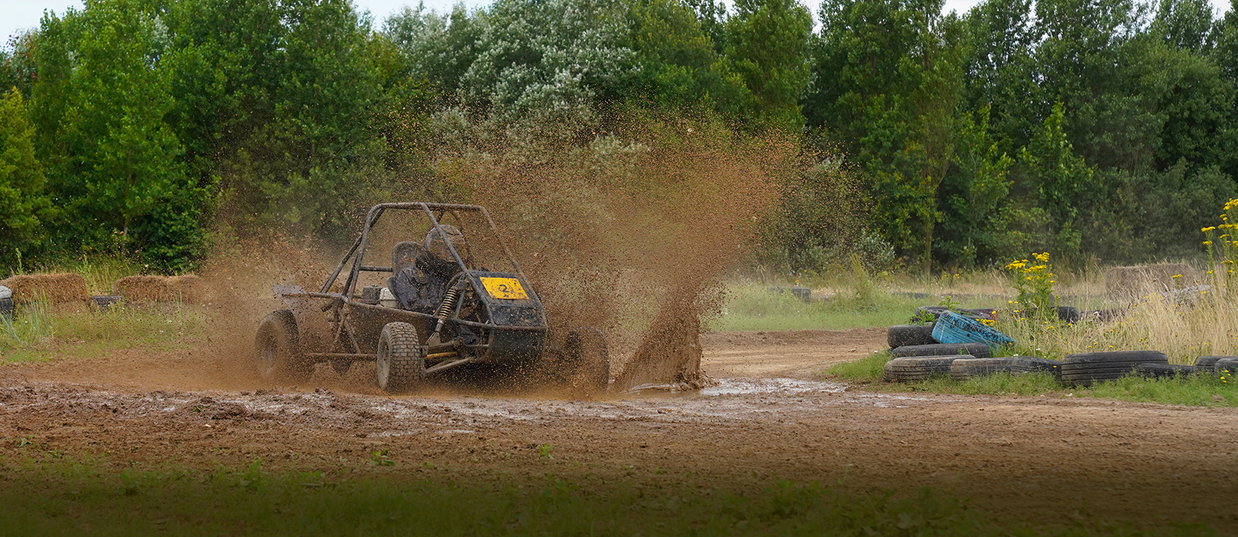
(1039, 459)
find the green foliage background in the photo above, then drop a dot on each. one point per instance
(1091, 129)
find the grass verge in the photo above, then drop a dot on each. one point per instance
(72, 498)
(755, 306)
(40, 332)
(1209, 390)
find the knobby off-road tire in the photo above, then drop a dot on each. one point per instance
(400, 362)
(978, 367)
(919, 368)
(977, 350)
(587, 365)
(1084, 369)
(277, 349)
(910, 334)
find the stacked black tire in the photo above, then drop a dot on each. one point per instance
(910, 334)
(919, 367)
(1015, 365)
(1227, 365)
(917, 356)
(1086, 369)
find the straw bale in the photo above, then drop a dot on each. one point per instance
(1128, 283)
(191, 288)
(145, 289)
(64, 288)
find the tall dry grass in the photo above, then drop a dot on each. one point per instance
(1184, 323)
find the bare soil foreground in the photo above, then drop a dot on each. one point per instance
(1038, 459)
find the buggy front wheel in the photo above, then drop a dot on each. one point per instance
(277, 349)
(400, 360)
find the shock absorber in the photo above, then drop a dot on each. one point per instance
(448, 305)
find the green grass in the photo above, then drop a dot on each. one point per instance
(38, 333)
(1210, 390)
(753, 306)
(61, 497)
(1195, 390)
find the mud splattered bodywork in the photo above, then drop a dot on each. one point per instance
(484, 315)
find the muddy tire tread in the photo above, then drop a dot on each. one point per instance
(1224, 365)
(288, 364)
(399, 347)
(1155, 370)
(1210, 362)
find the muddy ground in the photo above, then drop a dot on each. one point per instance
(1039, 459)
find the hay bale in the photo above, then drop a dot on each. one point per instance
(1130, 283)
(191, 288)
(188, 288)
(145, 289)
(53, 288)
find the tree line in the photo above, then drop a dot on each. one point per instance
(1087, 128)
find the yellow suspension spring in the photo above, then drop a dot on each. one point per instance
(449, 304)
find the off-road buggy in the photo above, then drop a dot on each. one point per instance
(468, 304)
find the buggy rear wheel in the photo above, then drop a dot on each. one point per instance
(588, 362)
(277, 349)
(400, 360)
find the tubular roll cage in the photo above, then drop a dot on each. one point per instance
(357, 253)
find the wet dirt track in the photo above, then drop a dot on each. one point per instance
(1038, 458)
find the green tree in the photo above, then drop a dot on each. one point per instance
(436, 48)
(1225, 38)
(1184, 24)
(27, 207)
(1000, 69)
(17, 64)
(1062, 183)
(981, 222)
(767, 43)
(545, 65)
(886, 87)
(283, 103)
(1190, 99)
(112, 161)
(678, 65)
(1082, 44)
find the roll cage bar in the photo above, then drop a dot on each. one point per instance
(357, 251)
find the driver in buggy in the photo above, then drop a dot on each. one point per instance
(424, 270)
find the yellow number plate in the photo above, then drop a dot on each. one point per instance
(504, 288)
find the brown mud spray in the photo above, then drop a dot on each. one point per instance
(631, 234)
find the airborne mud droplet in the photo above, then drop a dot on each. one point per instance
(627, 234)
(631, 234)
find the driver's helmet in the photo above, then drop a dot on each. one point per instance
(437, 246)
